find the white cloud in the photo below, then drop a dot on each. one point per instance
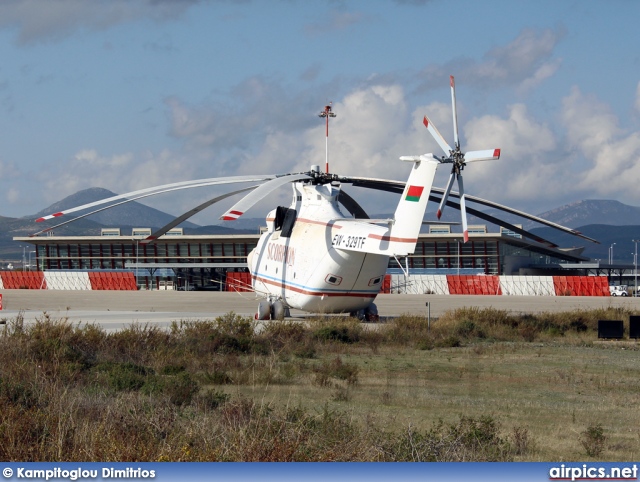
(13, 195)
(8, 170)
(526, 170)
(119, 173)
(544, 72)
(336, 20)
(523, 63)
(38, 20)
(522, 57)
(611, 156)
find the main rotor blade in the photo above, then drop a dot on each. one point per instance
(522, 214)
(352, 206)
(190, 213)
(455, 111)
(163, 188)
(398, 186)
(484, 155)
(241, 207)
(446, 194)
(463, 209)
(499, 222)
(437, 136)
(50, 228)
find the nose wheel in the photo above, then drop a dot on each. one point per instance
(272, 311)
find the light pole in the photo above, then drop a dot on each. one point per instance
(635, 268)
(326, 113)
(137, 240)
(611, 253)
(24, 256)
(30, 259)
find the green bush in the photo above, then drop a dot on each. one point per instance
(180, 388)
(342, 334)
(124, 376)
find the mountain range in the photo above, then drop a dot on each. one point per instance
(127, 216)
(592, 211)
(610, 222)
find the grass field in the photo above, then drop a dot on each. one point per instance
(479, 384)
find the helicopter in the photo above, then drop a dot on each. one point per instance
(314, 258)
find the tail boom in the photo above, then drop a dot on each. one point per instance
(399, 238)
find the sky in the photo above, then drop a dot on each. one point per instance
(128, 94)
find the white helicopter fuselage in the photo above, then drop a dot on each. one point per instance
(308, 270)
(319, 261)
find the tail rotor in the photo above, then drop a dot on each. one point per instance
(457, 159)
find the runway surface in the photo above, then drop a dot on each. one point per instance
(116, 309)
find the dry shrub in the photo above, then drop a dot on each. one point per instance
(335, 330)
(336, 369)
(137, 343)
(407, 329)
(521, 441)
(469, 439)
(289, 337)
(477, 323)
(593, 440)
(474, 322)
(229, 333)
(285, 332)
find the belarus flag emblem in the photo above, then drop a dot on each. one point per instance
(414, 193)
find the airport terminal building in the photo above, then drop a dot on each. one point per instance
(202, 262)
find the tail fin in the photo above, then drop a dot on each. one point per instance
(413, 203)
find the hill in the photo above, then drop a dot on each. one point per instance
(593, 212)
(126, 216)
(130, 214)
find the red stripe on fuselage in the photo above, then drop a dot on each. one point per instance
(394, 239)
(312, 293)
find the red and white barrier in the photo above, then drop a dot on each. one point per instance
(67, 280)
(527, 285)
(501, 285)
(412, 284)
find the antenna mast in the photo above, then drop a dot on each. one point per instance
(327, 113)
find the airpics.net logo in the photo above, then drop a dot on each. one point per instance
(78, 474)
(586, 472)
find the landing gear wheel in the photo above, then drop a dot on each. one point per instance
(371, 313)
(278, 310)
(264, 311)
